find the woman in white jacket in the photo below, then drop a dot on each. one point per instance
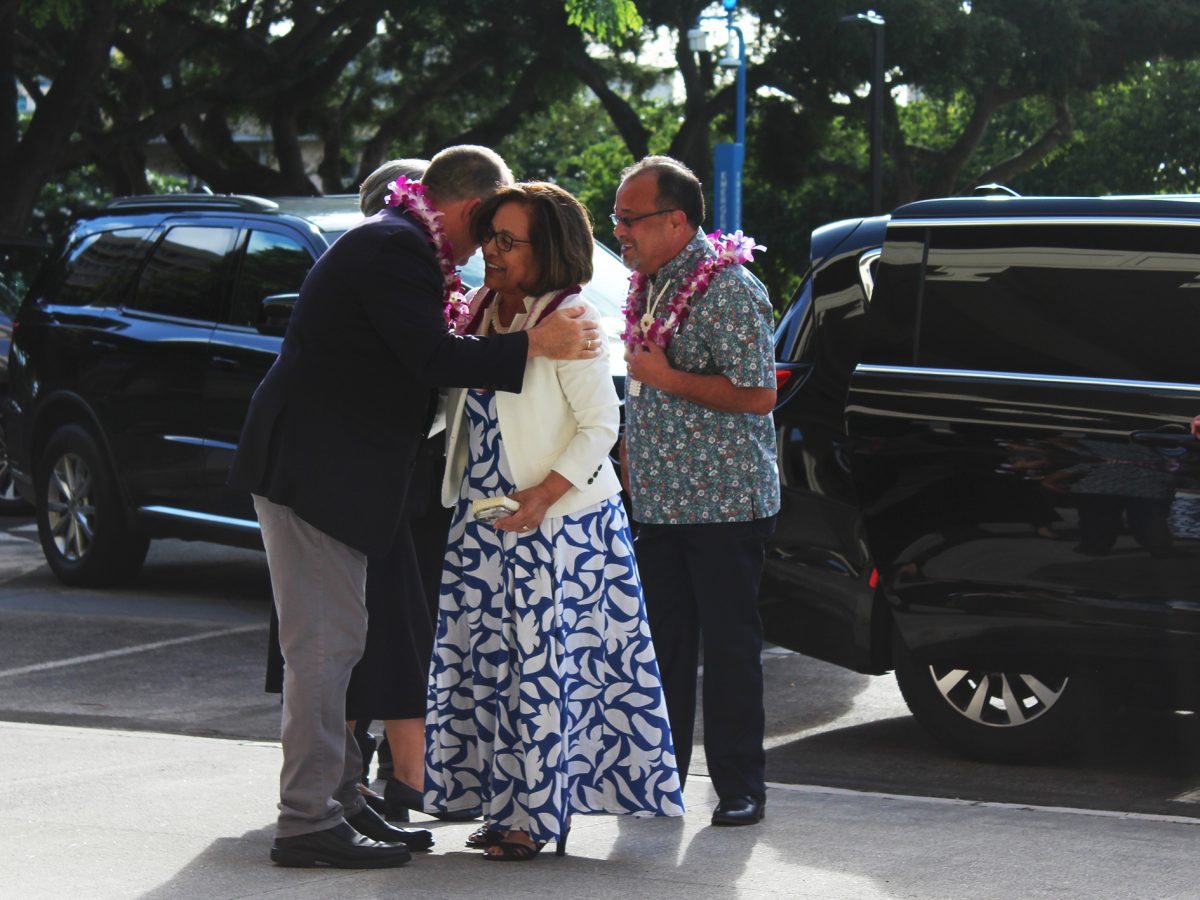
(544, 692)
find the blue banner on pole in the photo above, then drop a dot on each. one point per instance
(727, 187)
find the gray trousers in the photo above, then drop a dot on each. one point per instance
(319, 585)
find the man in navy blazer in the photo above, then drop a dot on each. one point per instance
(327, 451)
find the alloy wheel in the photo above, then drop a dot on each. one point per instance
(70, 507)
(997, 699)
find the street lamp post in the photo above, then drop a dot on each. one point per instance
(727, 158)
(876, 21)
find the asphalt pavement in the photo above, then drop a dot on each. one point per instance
(138, 759)
(100, 814)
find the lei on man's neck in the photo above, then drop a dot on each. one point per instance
(413, 197)
(641, 323)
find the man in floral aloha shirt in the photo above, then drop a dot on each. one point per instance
(700, 466)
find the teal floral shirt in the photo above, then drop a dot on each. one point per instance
(689, 464)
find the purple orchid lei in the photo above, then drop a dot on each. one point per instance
(413, 197)
(641, 327)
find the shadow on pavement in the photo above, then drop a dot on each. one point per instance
(1138, 761)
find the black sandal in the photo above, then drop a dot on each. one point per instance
(511, 851)
(485, 836)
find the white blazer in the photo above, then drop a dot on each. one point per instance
(565, 419)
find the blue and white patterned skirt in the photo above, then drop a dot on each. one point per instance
(544, 691)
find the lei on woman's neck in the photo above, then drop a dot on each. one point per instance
(413, 197)
(641, 325)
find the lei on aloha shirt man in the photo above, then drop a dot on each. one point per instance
(327, 451)
(699, 459)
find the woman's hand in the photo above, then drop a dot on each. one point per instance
(534, 503)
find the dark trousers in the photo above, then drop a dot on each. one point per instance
(701, 585)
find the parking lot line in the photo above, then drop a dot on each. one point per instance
(127, 651)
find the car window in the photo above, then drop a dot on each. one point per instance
(184, 274)
(1107, 301)
(272, 264)
(93, 267)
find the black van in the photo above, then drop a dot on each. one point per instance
(135, 355)
(988, 478)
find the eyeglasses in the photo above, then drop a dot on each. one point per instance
(628, 221)
(504, 240)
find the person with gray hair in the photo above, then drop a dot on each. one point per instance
(388, 683)
(376, 186)
(327, 451)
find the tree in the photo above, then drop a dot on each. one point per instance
(65, 47)
(366, 76)
(1139, 136)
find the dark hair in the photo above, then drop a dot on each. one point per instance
(464, 172)
(560, 230)
(374, 189)
(678, 186)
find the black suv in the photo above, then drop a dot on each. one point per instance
(135, 355)
(989, 483)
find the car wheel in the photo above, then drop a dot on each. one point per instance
(1001, 716)
(85, 536)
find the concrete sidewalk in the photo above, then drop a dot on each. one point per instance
(97, 814)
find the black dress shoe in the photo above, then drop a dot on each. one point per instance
(400, 798)
(341, 847)
(377, 803)
(739, 811)
(370, 824)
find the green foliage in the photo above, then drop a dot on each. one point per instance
(573, 144)
(610, 21)
(69, 13)
(62, 199)
(1136, 137)
(513, 75)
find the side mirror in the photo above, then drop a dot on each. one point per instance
(276, 313)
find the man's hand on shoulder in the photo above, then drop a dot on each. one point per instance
(563, 335)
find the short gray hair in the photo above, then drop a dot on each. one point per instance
(374, 188)
(466, 171)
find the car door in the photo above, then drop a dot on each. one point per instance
(147, 382)
(272, 260)
(1021, 449)
(816, 595)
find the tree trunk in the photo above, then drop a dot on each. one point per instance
(41, 151)
(8, 85)
(286, 137)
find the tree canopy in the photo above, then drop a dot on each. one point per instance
(1083, 95)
